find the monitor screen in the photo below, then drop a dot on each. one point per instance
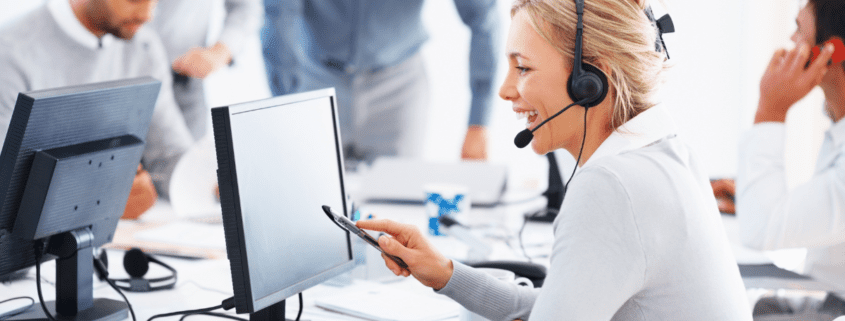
(279, 161)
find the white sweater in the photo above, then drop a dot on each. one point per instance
(49, 48)
(639, 237)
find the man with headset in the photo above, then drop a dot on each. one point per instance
(813, 214)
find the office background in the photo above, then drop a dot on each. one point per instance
(719, 52)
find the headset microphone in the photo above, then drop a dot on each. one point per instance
(525, 136)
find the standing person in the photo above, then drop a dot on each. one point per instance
(184, 26)
(638, 236)
(370, 52)
(73, 42)
(811, 215)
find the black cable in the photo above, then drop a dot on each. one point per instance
(300, 307)
(214, 314)
(185, 312)
(110, 282)
(32, 302)
(38, 248)
(565, 188)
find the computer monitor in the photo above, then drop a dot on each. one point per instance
(66, 169)
(279, 160)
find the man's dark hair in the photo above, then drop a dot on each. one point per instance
(830, 19)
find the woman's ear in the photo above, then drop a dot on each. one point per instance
(604, 66)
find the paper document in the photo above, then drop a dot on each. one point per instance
(384, 303)
(198, 235)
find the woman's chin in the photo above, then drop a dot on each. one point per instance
(539, 148)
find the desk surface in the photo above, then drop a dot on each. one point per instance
(206, 282)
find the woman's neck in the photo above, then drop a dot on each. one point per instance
(598, 130)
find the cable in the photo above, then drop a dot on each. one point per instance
(110, 282)
(38, 246)
(214, 314)
(19, 311)
(185, 312)
(565, 188)
(300, 307)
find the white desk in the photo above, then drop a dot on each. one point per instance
(204, 283)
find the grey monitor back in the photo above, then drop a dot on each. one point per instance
(62, 118)
(279, 160)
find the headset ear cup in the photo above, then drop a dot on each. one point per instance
(136, 263)
(591, 81)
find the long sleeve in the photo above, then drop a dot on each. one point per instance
(168, 138)
(243, 20)
(598, 262)
(483, 21)
(770, 215)
(487, 296)
(283, 23)
(11, 81)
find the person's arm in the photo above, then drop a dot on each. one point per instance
(168, 138)
(281, 31)
(598, 261)
(12, 82)
(243, 20)
(770, 215)
(475, 290)
(483, 21)
(773, 217)
(724, 190)
(142, 196)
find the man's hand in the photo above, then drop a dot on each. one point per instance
(724, 190)
(427, 265)
(142, 196)
(475, 144)
(201, 62)
(786, 81)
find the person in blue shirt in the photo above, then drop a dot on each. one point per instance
(369, 51)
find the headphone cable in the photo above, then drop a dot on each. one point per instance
(565, 188)
(113, 286)
(13, 313)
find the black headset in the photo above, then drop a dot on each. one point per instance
(589, 82)
(586, 81)
(136, 263)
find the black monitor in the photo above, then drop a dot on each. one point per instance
(279, 160)
(66, 169)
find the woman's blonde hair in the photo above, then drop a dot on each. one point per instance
(617, 32)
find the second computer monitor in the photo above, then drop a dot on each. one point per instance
(279, 160)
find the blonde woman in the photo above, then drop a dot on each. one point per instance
(639, 236)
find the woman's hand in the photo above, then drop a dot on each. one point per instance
(427, 265)
(786, 81)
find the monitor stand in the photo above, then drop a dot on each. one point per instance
(74, 284)
(275, 312)
(554, 194)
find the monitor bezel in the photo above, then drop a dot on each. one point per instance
(231, 208)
